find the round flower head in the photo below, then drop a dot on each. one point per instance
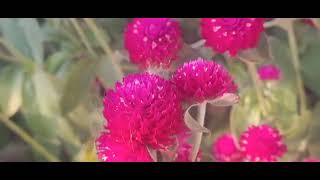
(184, 149)
(201, 80)
(308, 22)
(110, 149)
(311, 160)
(231, 34)
(269, 72)
(262, 143)
(225, 149)
(153, 42)
(144, 109)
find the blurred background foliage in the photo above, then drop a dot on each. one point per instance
(54, 72)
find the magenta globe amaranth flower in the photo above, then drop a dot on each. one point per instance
(184, 149)
(262, 144)
(110, 149)
(144, 109)
(153, 42)
(225, 149)
(269, 72)
(231, 34)
(201, 80)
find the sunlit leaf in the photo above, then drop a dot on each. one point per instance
(11, 78)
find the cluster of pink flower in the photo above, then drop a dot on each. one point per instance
(145, 112)
(258, 144)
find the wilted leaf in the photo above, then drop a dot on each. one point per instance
(192, 123)
(259, 54)
(77, 84)
(153, 154)
(11, 90)
(227, 99)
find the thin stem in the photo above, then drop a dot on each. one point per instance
(101, 40)
(257, 85)
(296, 64)
(14, 51)
(198, 136)
(10, 59)
(28, 139)
(82, 36)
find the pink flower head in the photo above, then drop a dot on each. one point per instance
(110, 149)
(231, 34)
(262, 143)
(201, 80)
(185, 149)
(144, 109)
(225, 149)
(311, 160)
(269, 72)
(308, 22)
(153, 41)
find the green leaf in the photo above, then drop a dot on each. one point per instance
(107, 73)
(259, 54)
(55, 61)
(310, 67)
(77, 84)
(245, 113)
(281, 55)
(314, 142)
(14, 34)
(34, 37)
(40, 104)
(227, 99)
(11, 90)
(4, 135)
(25, 35)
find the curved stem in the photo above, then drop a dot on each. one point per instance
(28, 139)
(257, 85)
(198, 136)
(296, 64)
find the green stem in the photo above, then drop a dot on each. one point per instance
(101, 40)
(82, 36)
(198, 136)
(257, 85)
(28, 139)
(296, 64)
